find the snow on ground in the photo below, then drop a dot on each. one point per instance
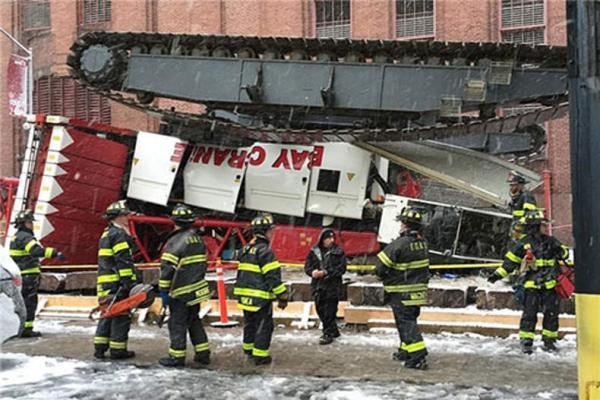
(89, 328)
(37, 377)
(464, 343)
(9, 321)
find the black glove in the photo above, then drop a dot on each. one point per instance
(60, 256)
(493, 278)
(282, 302)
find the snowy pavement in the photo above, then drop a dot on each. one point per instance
(357, 366)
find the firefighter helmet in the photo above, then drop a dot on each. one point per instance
(117, 209)
(533, 217)
(24, 216)
(515, 178)
(410, 215)
(183, 215)
(262, 223)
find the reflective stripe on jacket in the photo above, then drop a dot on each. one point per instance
(542, 273)
(115, 262)
(258, 277)
(183, 267)
(26, 250)
(525, 200)
(403, 266)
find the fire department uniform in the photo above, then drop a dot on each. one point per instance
(258, 284)
(116, 277)
(539, 281)
(182, 270)
(520, 203)
(403, 266)
(26, 251)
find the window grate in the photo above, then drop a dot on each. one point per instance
(96, 11)
(534, 36)
(64, 96)
(523, 21)
(519, 13)
(333, 19)
(414, 18)
(35, 15)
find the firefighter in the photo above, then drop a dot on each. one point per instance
(326, 264)
(536, 255)
(26, 251)
(183, 288)
(116, 277)
(258, 284)
(403, 266)
(521, 200)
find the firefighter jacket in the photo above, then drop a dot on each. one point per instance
(541, 271)
(258, 277)
(183, 267)
(25, 250)
(520, 203)
(331, 260)
(116, 272)
(403, 266)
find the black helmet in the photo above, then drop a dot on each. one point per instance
(262, 223)
(410, 215)
(183, 215)
(516, 178)
(117, 209)
(533, 217)
(24, 216)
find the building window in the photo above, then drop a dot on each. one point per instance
(333, 18)
(414, 19)
(523, 21)
(35, 15)
(64, 96)
(95, 11)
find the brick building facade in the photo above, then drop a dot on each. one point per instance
(50, 26)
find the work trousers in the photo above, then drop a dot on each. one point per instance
(29, 290)
(547, 301)
(112, 333)
(411, 340)
(184, 319)
(258, 331)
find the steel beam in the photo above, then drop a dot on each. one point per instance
(350, 86)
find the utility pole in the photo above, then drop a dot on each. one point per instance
(583, 39)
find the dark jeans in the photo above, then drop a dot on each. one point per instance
(327, 311)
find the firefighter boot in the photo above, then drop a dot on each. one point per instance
(326, 339)
(201, 360)
(400, 355)
(121, 354)
(172, 362)
(30, 333)
(262, 360)
(99, 354)
(417, 360)
(527, 346)
(550, 345)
